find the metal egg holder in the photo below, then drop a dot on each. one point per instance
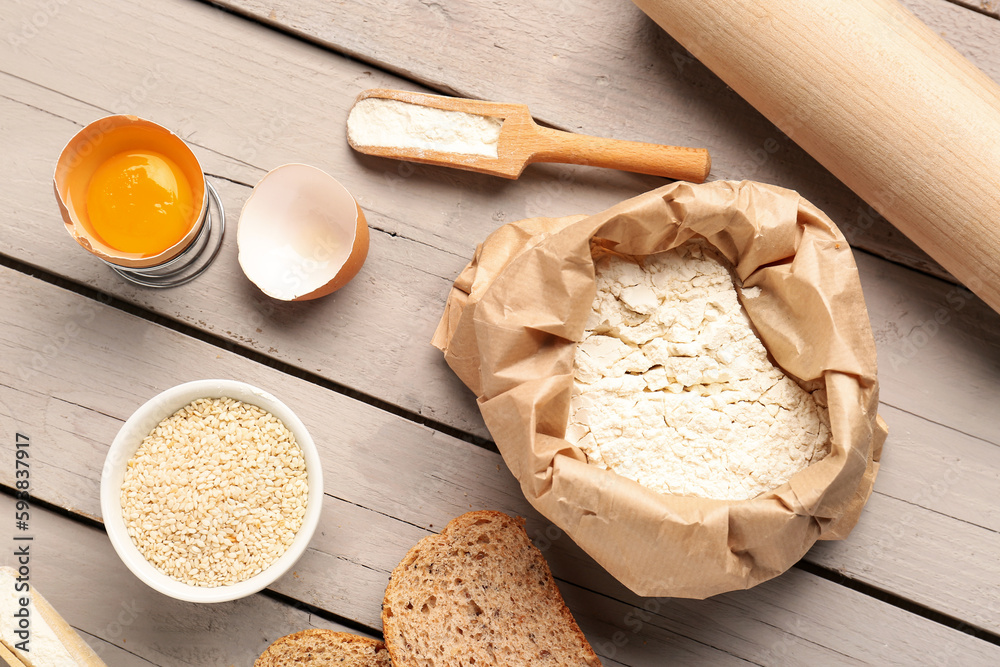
(193, 260)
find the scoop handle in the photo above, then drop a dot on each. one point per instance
(677, 162)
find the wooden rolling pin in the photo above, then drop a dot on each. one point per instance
(880, 100)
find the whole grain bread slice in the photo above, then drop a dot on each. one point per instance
(479, 593)
(321, 648)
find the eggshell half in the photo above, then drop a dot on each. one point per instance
(94, 144)
(301, 234)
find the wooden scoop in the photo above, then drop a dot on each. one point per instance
(8, 656)
(522, 142)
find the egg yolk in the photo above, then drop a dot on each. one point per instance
(140, 201)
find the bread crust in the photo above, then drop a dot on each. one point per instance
(479, 559)
(319, 647)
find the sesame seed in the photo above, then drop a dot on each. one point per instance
(205, 476)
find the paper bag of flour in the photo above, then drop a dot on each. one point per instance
(510, 330)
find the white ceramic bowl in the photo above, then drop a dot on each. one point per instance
(125, 444)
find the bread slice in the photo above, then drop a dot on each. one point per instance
(479, 593)
(318, 648)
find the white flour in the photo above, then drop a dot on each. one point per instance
(385, 123)
(674, 390)
(44, 647)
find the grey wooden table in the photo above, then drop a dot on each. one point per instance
(252, 84)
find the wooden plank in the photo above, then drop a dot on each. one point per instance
(260, 137)
(923, 329)
(413, 374)
(431, 220)
(930, 506)
(929, 466)
(115, 655)
(803, 618)
(203, 316)
(360, 327)
(987, 7)
(379, 466)
(234, 112)
(128, 623)
(938, 348)
(356, 546)
(794, 604)
(581, 66)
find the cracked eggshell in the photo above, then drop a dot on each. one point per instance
(301, 234)
(92, 146)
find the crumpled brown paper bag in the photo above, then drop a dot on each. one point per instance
(509, 331)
